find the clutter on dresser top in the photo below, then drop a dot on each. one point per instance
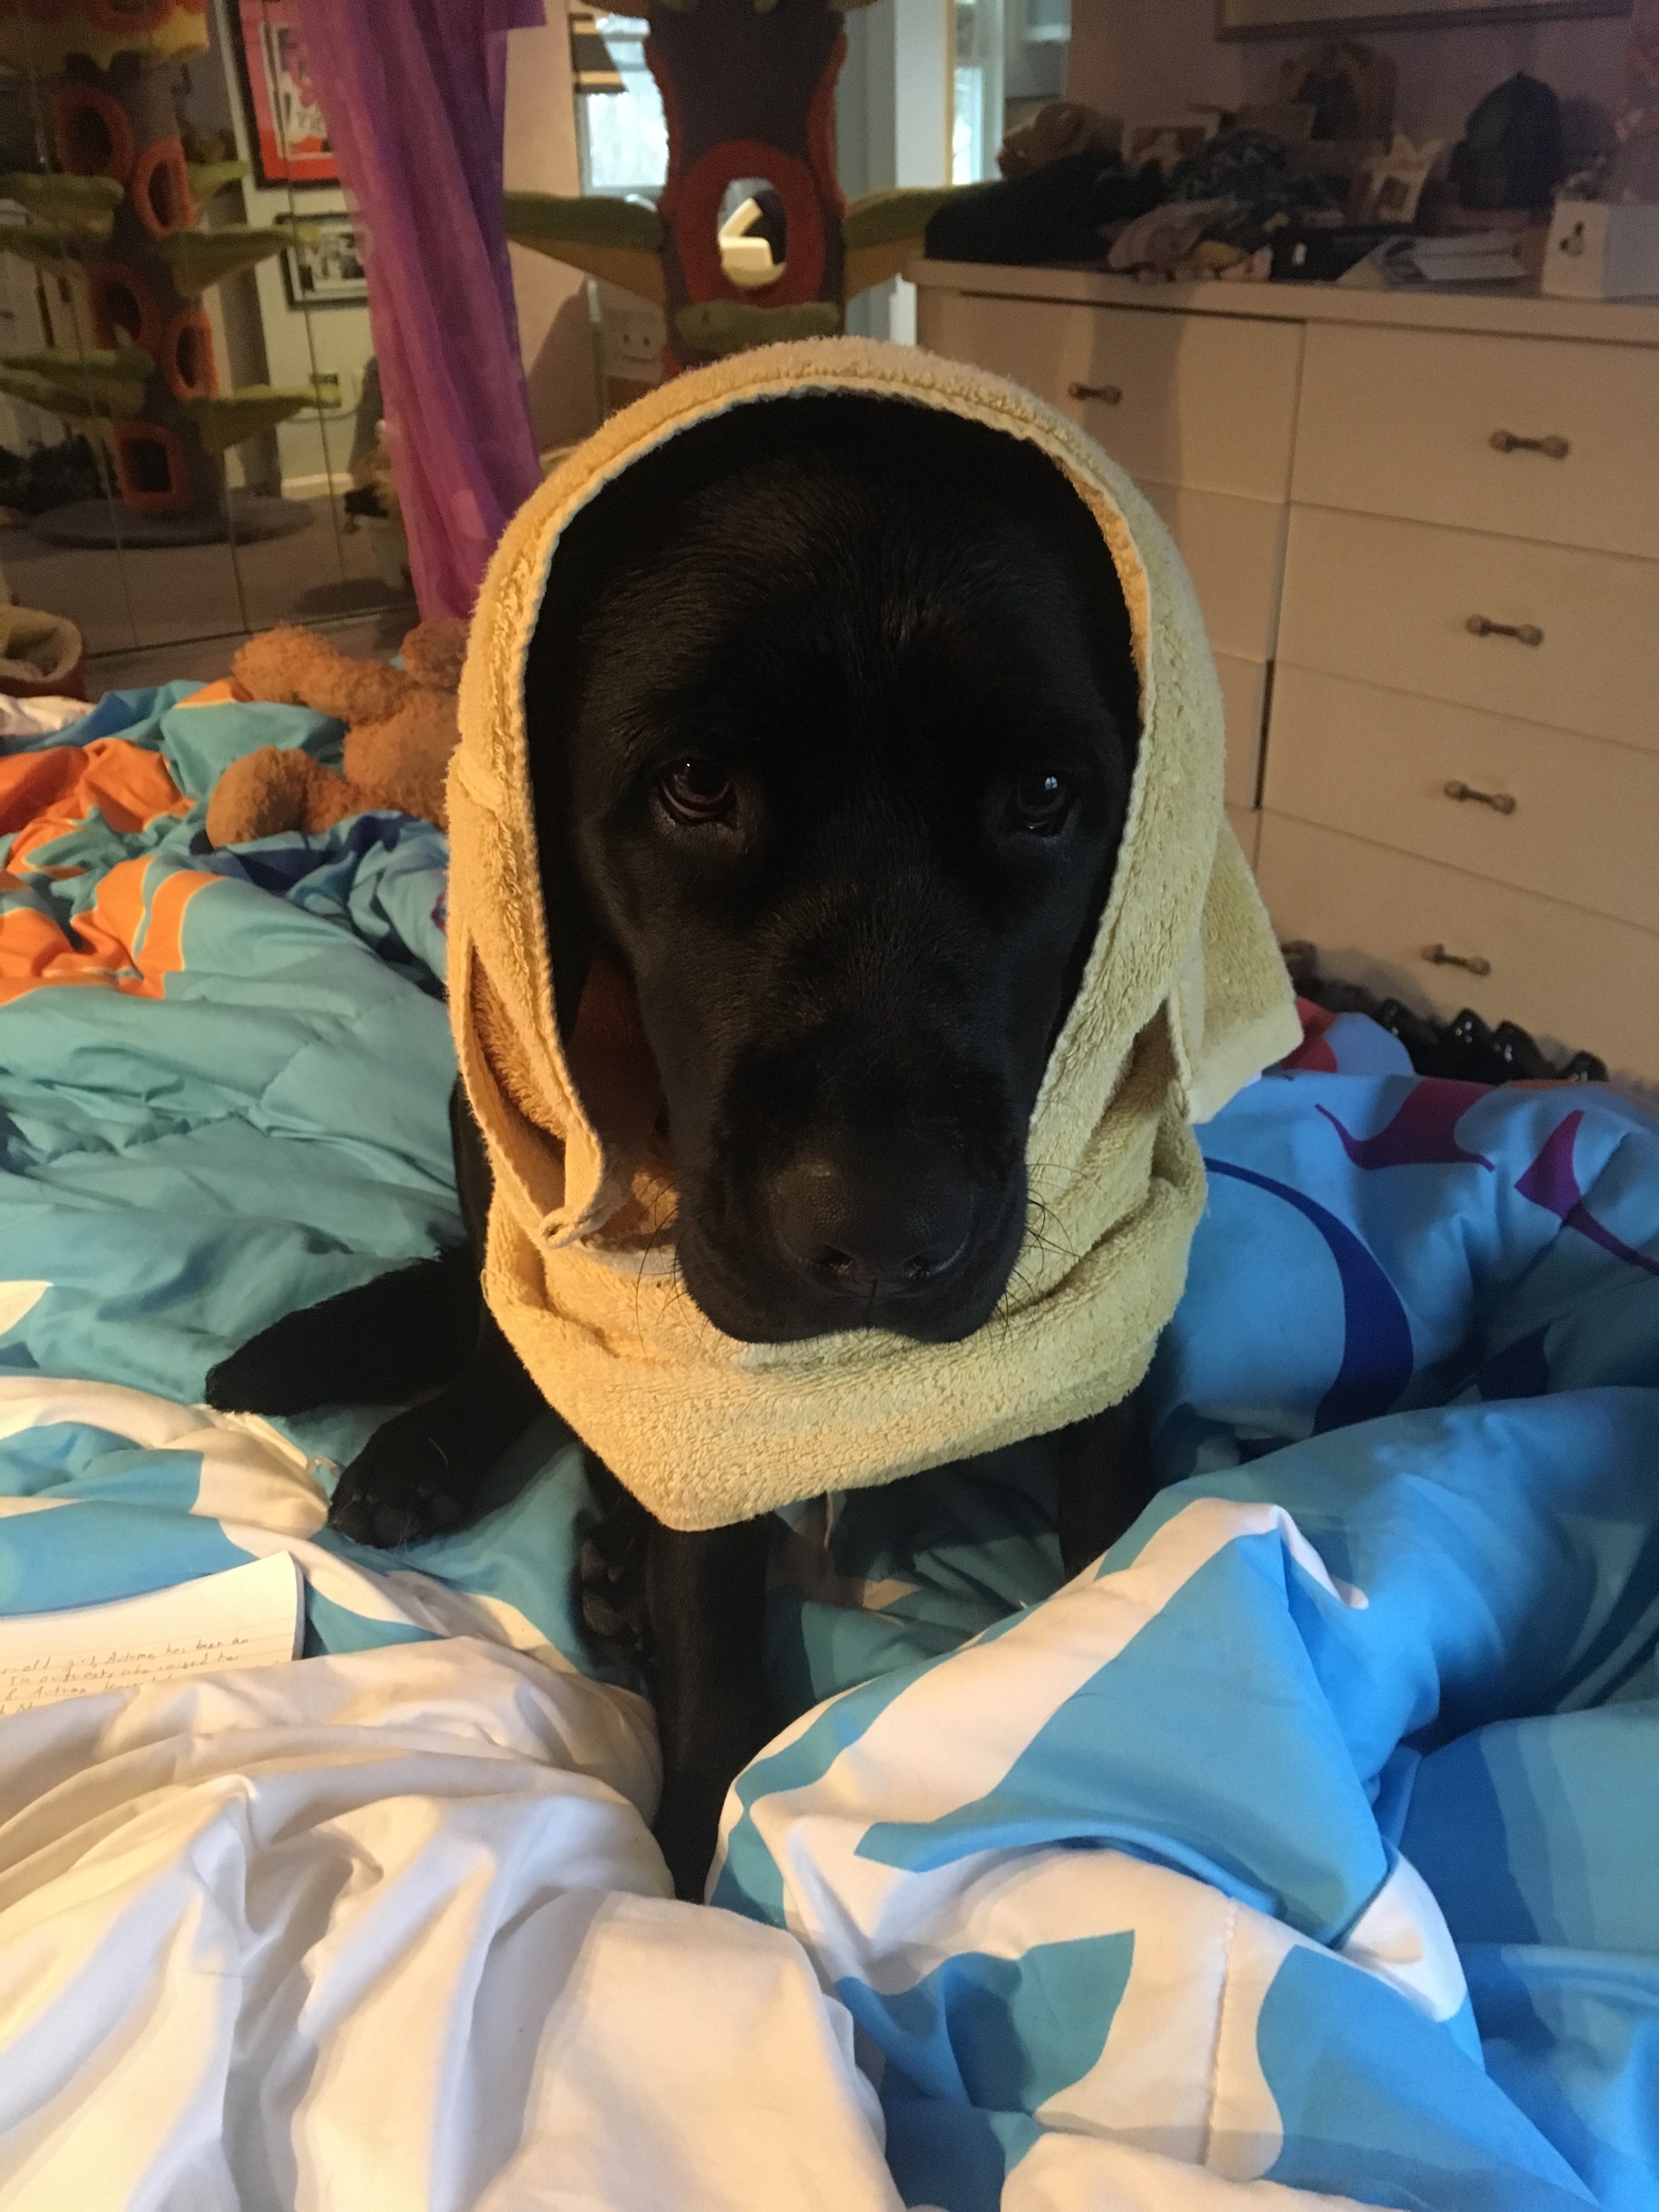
(1322, 186)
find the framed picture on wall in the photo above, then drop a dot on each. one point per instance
(329, 274)
(1264, 19)
(285, 119)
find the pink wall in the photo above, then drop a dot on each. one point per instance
(1142, 62)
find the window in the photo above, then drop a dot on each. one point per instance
(1010, 61)
(622, 138)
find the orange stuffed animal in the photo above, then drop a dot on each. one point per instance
(400, 732)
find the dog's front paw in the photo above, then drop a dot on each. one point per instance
(272, 1373)
(612, 1591)
(406, 1484)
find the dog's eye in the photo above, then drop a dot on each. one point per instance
(1040, 803)
(697, 789)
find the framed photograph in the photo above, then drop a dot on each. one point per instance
(330, 273)
(285, 119)
(1277, 19)
(1389, 185)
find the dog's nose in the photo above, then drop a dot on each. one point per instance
(873, 1230)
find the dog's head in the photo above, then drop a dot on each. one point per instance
(832, 719)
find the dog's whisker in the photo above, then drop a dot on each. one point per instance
(1041, 1215)
(666, 1222)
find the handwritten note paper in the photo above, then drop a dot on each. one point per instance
(248, 1616)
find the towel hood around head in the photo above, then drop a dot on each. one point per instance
(1183, 999)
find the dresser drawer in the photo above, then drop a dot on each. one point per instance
(1572, 978)
(1584, 825)
(1244, 696)
(1234, 550)
(1402, 421)
(1390, 603)
(1205, 400)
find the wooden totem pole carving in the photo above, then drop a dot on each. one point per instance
(748, 91)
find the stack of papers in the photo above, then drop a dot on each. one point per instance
(251, 1616)
(1484, 257)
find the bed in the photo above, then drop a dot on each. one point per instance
(1301, 1852)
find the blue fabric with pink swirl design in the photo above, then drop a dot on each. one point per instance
(1311, 1837)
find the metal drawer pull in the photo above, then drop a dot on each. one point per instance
(1499, 801)
(1437, 957)
(1505, 441)
(1107, 394)
(1527, 633)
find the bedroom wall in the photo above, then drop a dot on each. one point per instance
(1142, 63)
(893, 127)
(556, 338)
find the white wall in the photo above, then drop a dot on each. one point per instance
(893, 127)
(556, 338)
(1143, 61)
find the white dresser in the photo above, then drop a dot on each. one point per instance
(1424, 534)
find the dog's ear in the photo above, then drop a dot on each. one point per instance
(573, 932)
(610, 1063)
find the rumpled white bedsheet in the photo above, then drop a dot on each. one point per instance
(387, 1932)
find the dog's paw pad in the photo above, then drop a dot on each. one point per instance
(387, 1524)
(438, 1509)
(604, 1604)
(395, 1493)
(612, 1598)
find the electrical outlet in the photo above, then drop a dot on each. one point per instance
(633, 338)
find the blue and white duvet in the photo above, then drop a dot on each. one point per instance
(1310, 1844)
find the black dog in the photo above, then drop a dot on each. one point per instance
(832, 718)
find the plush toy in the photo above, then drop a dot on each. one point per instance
(400, 732)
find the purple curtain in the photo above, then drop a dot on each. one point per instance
(412, 90)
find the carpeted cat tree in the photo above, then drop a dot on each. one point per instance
(117, 214)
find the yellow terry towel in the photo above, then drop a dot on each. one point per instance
(1184, 999)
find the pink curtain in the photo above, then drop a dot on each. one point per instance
(412, 90)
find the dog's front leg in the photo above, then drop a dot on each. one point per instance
(1106, 1478)
(706, 1593)
(420, 1474)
